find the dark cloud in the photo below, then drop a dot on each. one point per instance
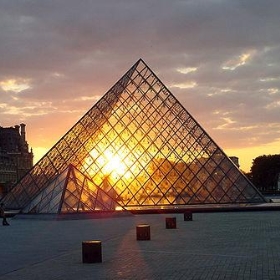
(70, 51)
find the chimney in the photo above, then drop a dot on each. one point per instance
(235, 160)
(22, 131)
(17, 128)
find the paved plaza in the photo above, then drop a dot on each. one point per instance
(225, 245)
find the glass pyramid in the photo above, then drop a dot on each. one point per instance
(139, 143)
(71, 191)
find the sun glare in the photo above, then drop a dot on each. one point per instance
(113, 164)
(108, 162)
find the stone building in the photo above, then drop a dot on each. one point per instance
(15, 157)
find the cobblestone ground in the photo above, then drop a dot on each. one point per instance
(236, 245)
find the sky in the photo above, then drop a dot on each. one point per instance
(220, 58)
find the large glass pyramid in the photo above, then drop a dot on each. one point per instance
(139, 143)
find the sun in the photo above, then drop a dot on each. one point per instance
(113, 164)
(108, 163)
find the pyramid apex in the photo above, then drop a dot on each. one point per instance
(140, 60)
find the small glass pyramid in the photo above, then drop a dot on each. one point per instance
(143, 149)
(71, 191)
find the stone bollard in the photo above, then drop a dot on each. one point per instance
(92, 251)
(170, 222)
(143, 232)
(188, 216)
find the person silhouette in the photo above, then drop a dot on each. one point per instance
(3, 215)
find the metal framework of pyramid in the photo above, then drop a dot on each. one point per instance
(139, 143)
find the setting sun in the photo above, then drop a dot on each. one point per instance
(108, 162)
(113, 164)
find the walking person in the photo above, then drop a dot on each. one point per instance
(3, 215)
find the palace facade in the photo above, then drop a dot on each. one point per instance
(15, 157)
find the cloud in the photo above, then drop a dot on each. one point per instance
(185, 85)
(15, 85)
(236, 62)
(187, 70)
